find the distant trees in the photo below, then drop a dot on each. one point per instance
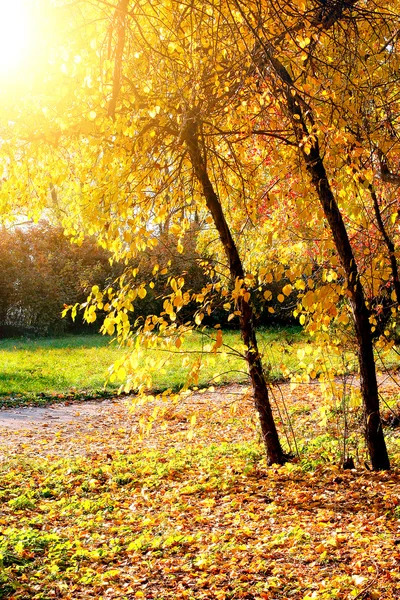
(40, 271)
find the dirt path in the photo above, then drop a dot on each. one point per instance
(100, 424)
(31, 417)
(112, 425)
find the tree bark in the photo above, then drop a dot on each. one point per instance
(270, 436)
(369, 388)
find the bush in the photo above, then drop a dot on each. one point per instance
(40, 272)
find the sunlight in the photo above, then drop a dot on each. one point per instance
(16, 35)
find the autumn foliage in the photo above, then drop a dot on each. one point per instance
(41, 272)
(229, 157)
(162, 516)
(275, 127)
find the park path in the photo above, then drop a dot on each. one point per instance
(112, 425)
(26, 417)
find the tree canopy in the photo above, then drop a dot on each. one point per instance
(272, 123)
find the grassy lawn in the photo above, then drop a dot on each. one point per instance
(77, 365)
(39, 370)
(55, 366)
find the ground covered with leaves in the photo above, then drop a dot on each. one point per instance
(90, 510)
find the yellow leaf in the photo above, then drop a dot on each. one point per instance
(110, 328)
(198, 318)
(305, 42)
(218, 341)
(343, 318)
(300, 285)
(287, 290)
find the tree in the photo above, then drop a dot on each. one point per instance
(41, 272)
(8, 274)
(219, 108)
(140, 139)
(289, 75)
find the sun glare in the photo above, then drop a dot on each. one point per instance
(16, 35)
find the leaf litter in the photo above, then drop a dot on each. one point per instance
(91, 509)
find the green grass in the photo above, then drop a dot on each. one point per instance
(55, 366)
(39, 370)
(36, 370)
(278, 347)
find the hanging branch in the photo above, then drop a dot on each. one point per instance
(120, 19)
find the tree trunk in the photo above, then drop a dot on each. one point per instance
(388, 242)
(312, 157)
(369, 388)
(269, 64)
(270, 436)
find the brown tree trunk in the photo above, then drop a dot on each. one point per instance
(388, 242)
(369, 387)
(312, 157)
(270, 65)
(270, 436)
